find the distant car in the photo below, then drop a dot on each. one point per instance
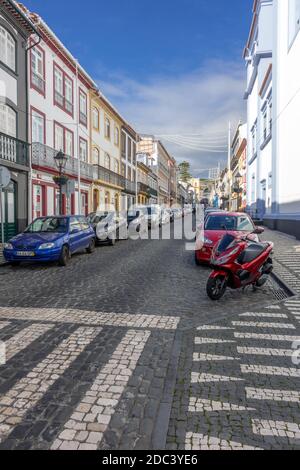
(177, 213)
(51, 238)
(137, 219)
(109, 227)
(165, 216)
(216, 225)
(154, 216)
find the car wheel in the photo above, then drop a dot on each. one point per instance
(91, 248)
(64, 256)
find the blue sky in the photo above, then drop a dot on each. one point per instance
(170, 66)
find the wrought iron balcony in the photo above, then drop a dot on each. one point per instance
(14, 150)
(130, 186)
(108, 176)
(43, 156)
(144, 188)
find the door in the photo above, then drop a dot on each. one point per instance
(9, 210)
(75, 234)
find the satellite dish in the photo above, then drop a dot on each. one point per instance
(4, 177)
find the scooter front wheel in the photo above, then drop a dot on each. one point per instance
(216, 287)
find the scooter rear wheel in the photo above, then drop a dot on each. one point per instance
(216, 287)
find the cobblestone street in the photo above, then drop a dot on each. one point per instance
(123, 350)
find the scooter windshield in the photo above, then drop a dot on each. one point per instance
(225, 243)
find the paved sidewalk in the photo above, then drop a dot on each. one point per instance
(286, 258)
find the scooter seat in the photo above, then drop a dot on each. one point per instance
(252, 252)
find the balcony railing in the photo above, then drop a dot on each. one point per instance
(130, 186)
(43, 156)
(38, 82)
(109, 176)
(14, 150)
(144, 188)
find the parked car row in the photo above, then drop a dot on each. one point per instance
(57, 238)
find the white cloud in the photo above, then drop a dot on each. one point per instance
(199, 102)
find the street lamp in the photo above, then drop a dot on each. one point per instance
(60, 162)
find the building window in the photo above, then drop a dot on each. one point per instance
(96, 156)
(7, 49)
(83, 150)
(117, 136)
(129, 150)
(265, 123)
(96, 118)
(123, 169)
(107, 128)
(116, 166)
(123, 145)
(63, 140)
(254, 139)
(38, 70)
(134, 152)
(37, 127)
(82, 108)
(63, 90)
(8, 120)
(69, 143)
(253, 188)
(107, 161)
(294, 19)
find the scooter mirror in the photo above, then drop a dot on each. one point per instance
(259, 230)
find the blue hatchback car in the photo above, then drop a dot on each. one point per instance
(51, 239)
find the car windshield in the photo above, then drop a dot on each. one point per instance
(227, 222)
(133, 214)
(48, 224)
(101, 217)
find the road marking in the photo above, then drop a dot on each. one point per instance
(198, 378)
(195, 441)
(24, 338)
(85, 317)
(274, 395)
(211, 357)
(267, 337)
(28, 391)
(264, 427)
(213, 328)
(264, 315)
(200, 405)
(270, 370)
(4, 324)
(282, 326)
(211, 341)
(86, 426)
(265, 351)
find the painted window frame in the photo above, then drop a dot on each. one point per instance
(95, 148)
(117, 134)
(10, 34)
(292, 37)
(107, 158)
(95, 108)
(107, 134)
(57, 124)
(6, 105)
(43, 78)
(82, 139)
(63, 106)
(84, 121)
(43, 115)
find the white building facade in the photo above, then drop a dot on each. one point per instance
(258, 57)
(59, 121)
(285, 215)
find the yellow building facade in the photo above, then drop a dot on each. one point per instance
(105, 149)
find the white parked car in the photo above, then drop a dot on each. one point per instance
(165, 216)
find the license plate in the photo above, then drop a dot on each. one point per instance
(25, 253)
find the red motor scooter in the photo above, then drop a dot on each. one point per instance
(239, 262)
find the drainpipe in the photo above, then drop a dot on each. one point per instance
(27, 61)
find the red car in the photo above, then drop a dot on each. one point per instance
(216, 226)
